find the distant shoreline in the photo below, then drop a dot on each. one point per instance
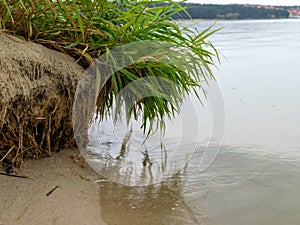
(236, 11)
(199, 19)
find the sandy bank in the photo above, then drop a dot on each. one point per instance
(76, 201)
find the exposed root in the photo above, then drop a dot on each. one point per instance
(37, 87)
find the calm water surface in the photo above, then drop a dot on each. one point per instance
(255, 178)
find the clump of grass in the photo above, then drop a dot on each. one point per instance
(86, 29)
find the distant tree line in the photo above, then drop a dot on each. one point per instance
(212, 11)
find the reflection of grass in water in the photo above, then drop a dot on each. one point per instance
(160, 204)
(124, 144)
(146, 159)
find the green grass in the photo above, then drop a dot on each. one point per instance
(86, 29)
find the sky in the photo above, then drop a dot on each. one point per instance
(258, 2)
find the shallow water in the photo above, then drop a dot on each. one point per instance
(255, 176)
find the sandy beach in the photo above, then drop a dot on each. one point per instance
(76, 200)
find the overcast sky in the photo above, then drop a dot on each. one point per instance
(259, 2)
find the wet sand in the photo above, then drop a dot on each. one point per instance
(76, 201)
(151, 205)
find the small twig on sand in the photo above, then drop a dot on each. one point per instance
(99, 181)
(13, 175)
(50, 192)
